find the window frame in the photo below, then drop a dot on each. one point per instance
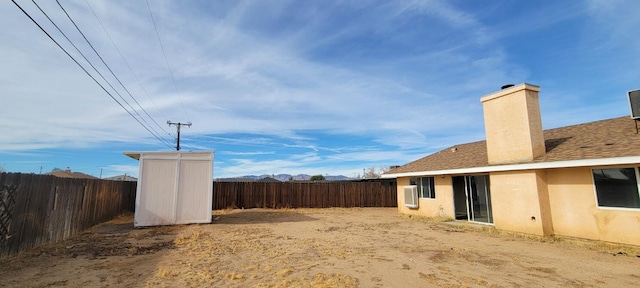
(595, 188)
(418, 182)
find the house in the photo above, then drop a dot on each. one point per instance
(123, 177)
(576, 181)
(69, 174)
(268, 179)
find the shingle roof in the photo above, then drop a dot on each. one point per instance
(69, 174)
(609, 138)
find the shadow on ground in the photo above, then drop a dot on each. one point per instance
(257, 216)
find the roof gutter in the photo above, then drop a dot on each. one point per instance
(525, 166)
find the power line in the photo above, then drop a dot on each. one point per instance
(85, 70)
(95, 69)
(166, 60)
(130, 69)
(112, 73)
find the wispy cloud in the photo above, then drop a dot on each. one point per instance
(311, 85)
(248, 153)
(115, 170)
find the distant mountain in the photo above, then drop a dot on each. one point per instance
(299, 177)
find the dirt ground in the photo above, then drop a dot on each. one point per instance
(359, 247)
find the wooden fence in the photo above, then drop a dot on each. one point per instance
(304, 194)
(40, 209)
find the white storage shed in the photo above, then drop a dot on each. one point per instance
(173, 187)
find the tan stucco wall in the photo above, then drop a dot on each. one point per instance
(575, 212)
(562, 201)
(516, 197)
(513, 125)
(441, 206)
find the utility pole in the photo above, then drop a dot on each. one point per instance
(178, 124)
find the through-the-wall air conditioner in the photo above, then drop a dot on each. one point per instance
(411, 196)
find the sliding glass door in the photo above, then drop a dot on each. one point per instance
(472, 198)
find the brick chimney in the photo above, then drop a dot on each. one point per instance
(513, 125)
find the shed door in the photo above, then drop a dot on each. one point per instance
(192, 203)
(156, 205)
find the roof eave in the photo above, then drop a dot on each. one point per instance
(524, 166)
(137, 154)
(134, 155)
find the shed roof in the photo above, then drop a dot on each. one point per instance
(611, 138)
(137, 154)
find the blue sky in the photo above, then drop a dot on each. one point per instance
(315, 87)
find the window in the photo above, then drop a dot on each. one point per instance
(426, 186)
(617, 187)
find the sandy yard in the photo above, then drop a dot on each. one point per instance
(359, 247)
